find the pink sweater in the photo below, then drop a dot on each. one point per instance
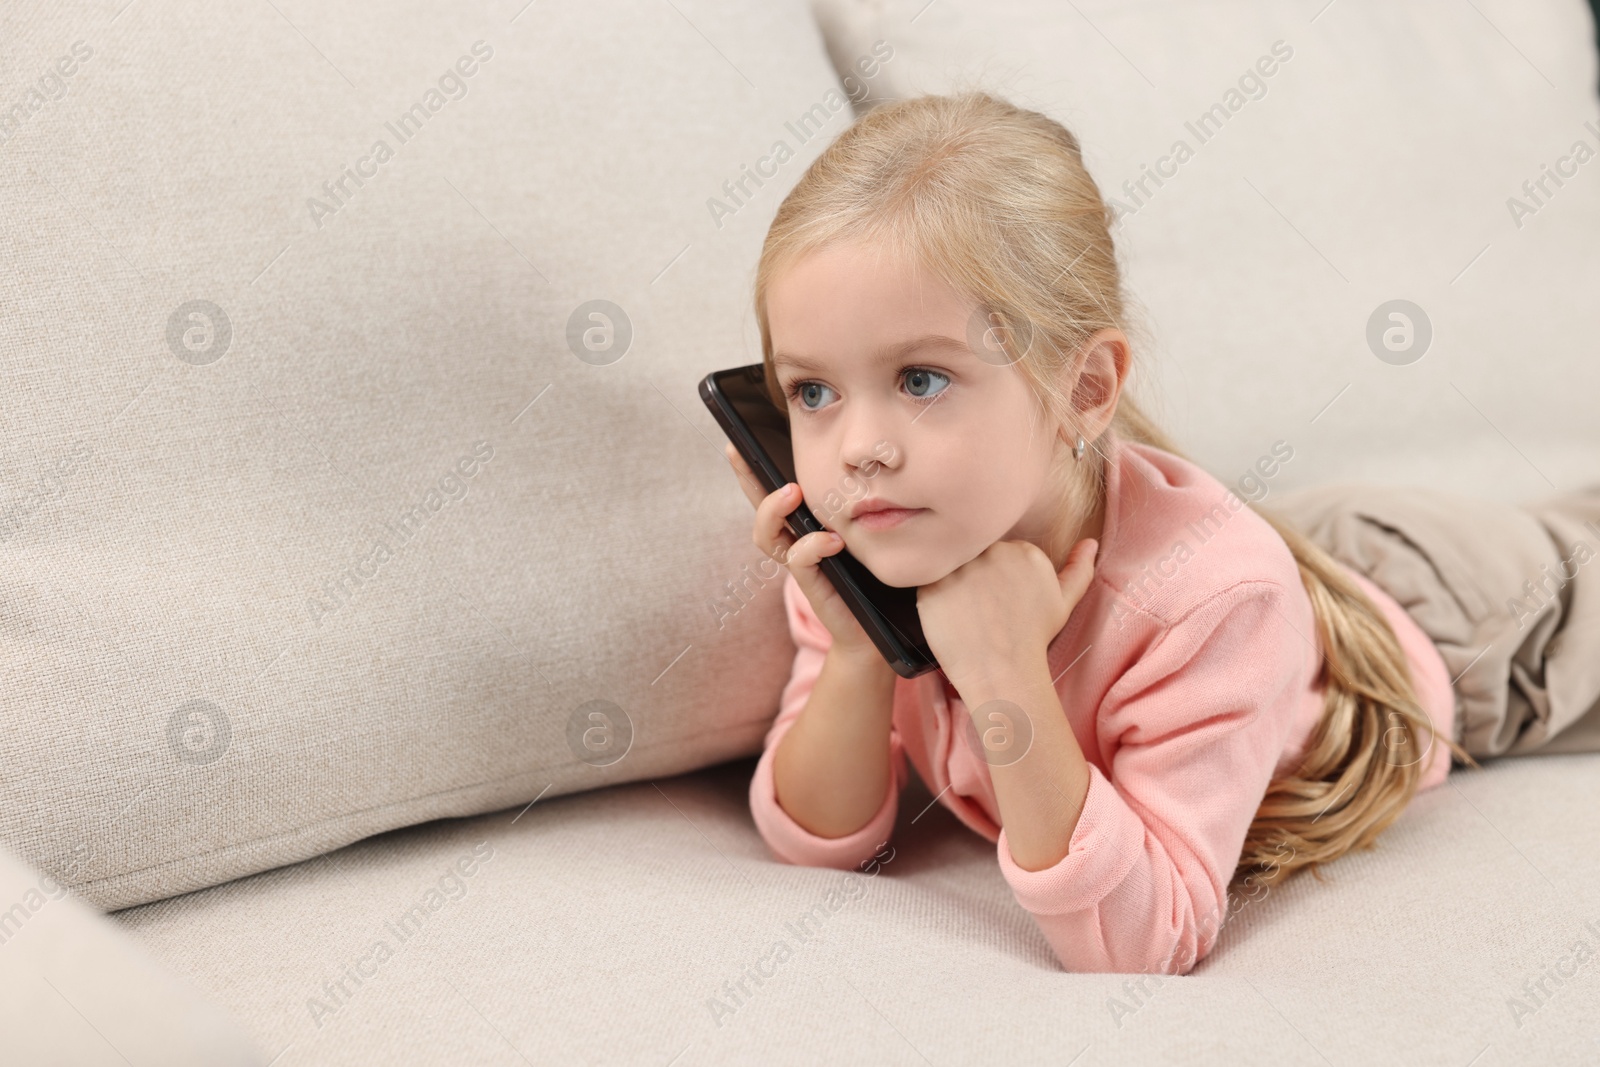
(1187, 673)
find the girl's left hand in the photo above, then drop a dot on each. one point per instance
(996, 614)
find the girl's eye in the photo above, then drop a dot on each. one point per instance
(924, 374)
(921, 383)
(799, 391)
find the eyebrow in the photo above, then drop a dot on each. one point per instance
(887, 354)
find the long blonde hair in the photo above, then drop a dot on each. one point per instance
(996, 201)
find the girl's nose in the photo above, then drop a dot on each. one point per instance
(871, 453)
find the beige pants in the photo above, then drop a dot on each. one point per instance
(1510, 595)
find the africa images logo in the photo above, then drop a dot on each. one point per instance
(737, 192)
(451, 85)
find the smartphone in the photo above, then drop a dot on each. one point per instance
(759, 429)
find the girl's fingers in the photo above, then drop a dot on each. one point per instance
(771, 531)
(772, 512)
(1079, 571)
(810, 549)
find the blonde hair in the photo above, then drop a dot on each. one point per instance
(991, 197)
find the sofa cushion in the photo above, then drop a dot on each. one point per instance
(75, 988)
(353, 473)
(1335, 159)
(682, 941)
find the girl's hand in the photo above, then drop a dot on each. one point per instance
(995, 616)
(771, 535)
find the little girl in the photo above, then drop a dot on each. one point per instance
(1150, 694)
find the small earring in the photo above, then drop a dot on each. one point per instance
(1078, 448)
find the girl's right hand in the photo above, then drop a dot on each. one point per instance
(771, 534)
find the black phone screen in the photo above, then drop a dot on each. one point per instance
(759, 429)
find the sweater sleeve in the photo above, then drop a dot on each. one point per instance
(787, 839)
(1195, 728)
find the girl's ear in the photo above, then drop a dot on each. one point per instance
(1102, 370)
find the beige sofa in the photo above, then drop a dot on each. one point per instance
(353, 484)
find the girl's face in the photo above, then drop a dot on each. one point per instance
(889, 402)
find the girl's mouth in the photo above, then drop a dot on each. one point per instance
(887, 519)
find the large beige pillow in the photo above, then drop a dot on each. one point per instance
(1340, 157)
(352, 472)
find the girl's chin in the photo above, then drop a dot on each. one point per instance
(897, 571)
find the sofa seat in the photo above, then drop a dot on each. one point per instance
(614, 926)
